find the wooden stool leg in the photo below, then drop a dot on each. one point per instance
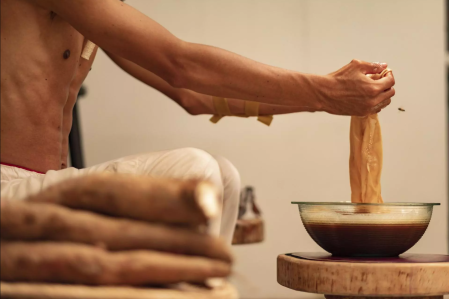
(382, 297)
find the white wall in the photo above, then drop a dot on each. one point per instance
(302, 156)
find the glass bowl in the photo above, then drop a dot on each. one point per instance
(364, 229)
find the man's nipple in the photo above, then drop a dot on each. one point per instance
(66, 54)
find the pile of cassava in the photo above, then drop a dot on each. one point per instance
(111, 229)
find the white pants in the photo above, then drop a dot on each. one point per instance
(183, 163)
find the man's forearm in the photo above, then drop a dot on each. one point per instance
(214, 71)
(193, 102)
(237, 107)
(197, 104)
(122, 30)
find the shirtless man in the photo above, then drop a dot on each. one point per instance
(42, 71)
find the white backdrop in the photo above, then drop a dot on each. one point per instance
(302, 156)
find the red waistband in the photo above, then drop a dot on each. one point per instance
(24, 168)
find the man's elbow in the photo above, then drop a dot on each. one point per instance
(178, 70)
(189, 106)
(191, 111)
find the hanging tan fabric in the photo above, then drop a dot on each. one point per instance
(366, 156)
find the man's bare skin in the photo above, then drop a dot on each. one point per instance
(42, 71)
(41, 74)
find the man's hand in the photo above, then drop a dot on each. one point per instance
(349, 91)
(113, 229)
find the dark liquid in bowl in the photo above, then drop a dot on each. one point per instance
(366, 240)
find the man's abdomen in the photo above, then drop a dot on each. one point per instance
(31, 139)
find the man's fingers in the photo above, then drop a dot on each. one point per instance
(386, 82)
(381, 106)
(385, 100)
(388, 94)
(28, 221)
(75, 263)
(190, 202)
(369, 67)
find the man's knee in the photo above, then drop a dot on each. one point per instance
(229, 172)
(189, 163)
(192, 154)
(231, 179)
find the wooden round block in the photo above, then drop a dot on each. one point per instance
(383, 297)
(363, 279)
(57, 291)
(248, 231)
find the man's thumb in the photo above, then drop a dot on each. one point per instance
(372, 67)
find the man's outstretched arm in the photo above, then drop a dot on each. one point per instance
(193, 102)
(124, 31)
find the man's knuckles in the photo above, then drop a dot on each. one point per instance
(356, 62)
(392, 92)
(372, 90)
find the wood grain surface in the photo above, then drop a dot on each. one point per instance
(55, 291)
(363, 279)
(248, 231)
